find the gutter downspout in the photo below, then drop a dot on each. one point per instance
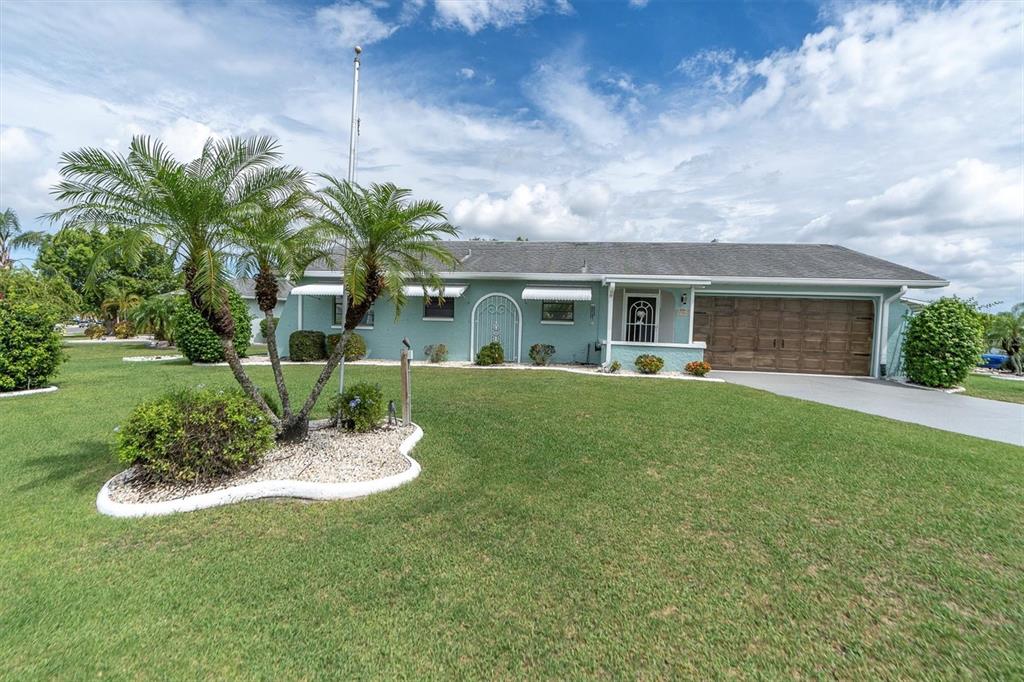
(608, 332)
(883, 344)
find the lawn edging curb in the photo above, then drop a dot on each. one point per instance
(31, 391)
(308, 490)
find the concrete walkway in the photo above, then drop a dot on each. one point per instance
(991, 419)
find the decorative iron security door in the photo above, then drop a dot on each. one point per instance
(641, 319)
(496, 318)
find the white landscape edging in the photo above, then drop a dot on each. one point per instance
(32, 391)
(309, 490)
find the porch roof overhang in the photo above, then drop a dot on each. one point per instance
(319, 290)
(556, 294)
(448, 291)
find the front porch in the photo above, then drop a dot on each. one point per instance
(652, 316)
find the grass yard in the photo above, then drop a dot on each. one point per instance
(981, 386)
(563, 526)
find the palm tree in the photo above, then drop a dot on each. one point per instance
(187, 207)
(389, 239)
(118, 302)
(12, 237)
(156, 313)
(1006, 330)
(270, 245)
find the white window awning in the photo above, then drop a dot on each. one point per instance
(450, 291)
(555, 294)
(319, 290)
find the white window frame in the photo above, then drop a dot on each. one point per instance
(342, 326)
(438, 319)
(626, 295)
(567, 323)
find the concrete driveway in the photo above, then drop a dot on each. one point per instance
(991, 419)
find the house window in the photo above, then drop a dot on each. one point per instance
(557, 311)
(438, 309)
(339, 315)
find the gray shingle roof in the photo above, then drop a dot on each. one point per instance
(246, 288)
(694, 259)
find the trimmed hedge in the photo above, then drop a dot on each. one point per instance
(943, 343)
(30, 347)
(491, 354)
(306, 346)
(197, 341)
(698, 368)
(648, 364)
(194, 435)
(95, 331)
(355, 348)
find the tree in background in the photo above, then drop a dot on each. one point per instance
(13, 237)
(90, 262)
(155, 315)
(30, 344)
(118, 302)
(1006, 330)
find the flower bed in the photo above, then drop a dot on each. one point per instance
(329, 465)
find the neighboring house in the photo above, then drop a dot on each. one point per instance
(246, 288)
(813, 308)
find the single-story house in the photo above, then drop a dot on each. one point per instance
(813, 308)
(246, 288)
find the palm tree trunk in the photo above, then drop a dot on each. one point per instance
(275, 362)
(251, 390)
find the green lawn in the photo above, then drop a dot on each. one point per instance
(563, 525)
(994, 389)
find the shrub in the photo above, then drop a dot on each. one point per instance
(306, 346)
(95, 331)
(698, 368)
(197, 341)
(541, 353)
(648, 364)
(491, 354)
(355, 347)
(436, 353)
(124, 330)
(360, 408)
(265, 330)
(943, 343)
(615, 366)
(194, 435)
(30, 347)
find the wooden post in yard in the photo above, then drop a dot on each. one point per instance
(406, 388)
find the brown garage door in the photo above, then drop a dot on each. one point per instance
(818, 336)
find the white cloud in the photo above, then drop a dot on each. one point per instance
(467, 73)
(536, 212)
(638, 4)
(354, 23)
(16, 144)
(476, 15)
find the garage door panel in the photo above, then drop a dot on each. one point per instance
(829, 336)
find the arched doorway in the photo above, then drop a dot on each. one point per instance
(496, 317)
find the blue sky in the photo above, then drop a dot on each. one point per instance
(894, 129)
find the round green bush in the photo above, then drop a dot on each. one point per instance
(194, 435)
(541, 353)
(355, 348)
(360, 408)
(491, 354)
(95, 331)
(306, 346)
(124, 330)
(648, 364)
(197, 341)
(943, 343)
(30, 347)
(614, 367)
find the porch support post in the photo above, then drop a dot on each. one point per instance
(300, 312)
(693, 304)
(609, 313)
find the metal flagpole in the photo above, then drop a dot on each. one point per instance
(353, 137)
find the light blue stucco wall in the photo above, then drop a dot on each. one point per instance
(675, 358)
(384, 341)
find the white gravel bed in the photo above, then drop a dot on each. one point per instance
(326, 456)
(151, 358)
